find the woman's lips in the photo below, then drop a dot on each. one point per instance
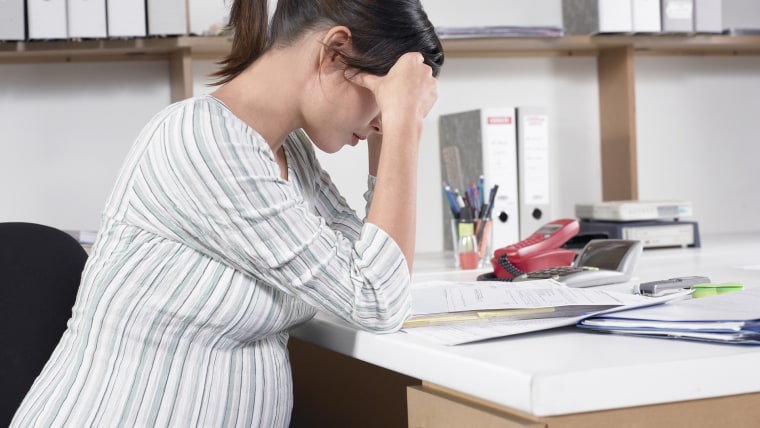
(357, 138)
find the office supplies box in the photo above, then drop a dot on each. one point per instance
(126, 18)
(207, 17)
(533, 168)
(46, 19)
(652, 233)
(677, 16)
(167, 17)
(483, 142)
(12, 22)
(630, 210)
(597, 16)
(645, 15)
(87, 18)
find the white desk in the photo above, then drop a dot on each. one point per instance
(543, 377)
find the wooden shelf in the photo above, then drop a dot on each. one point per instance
(615, 67)
(129, 49)
(591, 45)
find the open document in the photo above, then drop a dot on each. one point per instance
(726, 318)
(453, 313)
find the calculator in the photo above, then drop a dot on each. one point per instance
(601, 262)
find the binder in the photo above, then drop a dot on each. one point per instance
(646, 16)
(486, 143)
(126, 18)
(12, 23)
(533, 168)
(708, 16)
(677, 16)
(207, 17)
(597, 16)
(47, 19)
(167, 17)
(87, 18)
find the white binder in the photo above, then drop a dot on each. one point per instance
(12, 24)
(126, 18)
(708, 16)
(646, 16)
(677, 16)
(47, 19)
(533, 168)
(167, 17)
(486, 140)
(87, 18)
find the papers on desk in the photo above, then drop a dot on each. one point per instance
(454, 313)
(725, 318)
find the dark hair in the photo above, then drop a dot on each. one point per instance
(381, 32)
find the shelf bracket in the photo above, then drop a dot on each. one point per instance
(181, 74)
(617, 118)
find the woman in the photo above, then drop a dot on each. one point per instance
(223, 232)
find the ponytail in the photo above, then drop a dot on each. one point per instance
(249, 25)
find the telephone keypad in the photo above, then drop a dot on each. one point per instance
(556, 272)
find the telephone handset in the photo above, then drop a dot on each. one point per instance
(541, 250)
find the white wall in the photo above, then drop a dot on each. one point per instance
(698, 136)
(65, 129)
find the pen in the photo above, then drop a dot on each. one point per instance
(491, 199)
(482, 188)
(486, 211)
(453, 204)
(474, 198)
(468, 205)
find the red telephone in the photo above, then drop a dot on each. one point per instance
(538, 251)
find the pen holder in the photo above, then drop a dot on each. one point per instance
(484, 248)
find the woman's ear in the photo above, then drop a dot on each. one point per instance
(335, 42)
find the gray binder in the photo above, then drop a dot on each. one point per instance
(597, 16)
(484, 140)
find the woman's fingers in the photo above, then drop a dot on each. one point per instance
(365, 80)
(408, 90)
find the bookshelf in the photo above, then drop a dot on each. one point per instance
(615, 73)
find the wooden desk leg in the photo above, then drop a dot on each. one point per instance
(333, 390)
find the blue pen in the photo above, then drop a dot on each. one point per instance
(482, 188)
(471, 196)
(452, 200)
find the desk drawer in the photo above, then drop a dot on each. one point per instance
(434, 409)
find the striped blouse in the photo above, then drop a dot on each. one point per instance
(205, 259)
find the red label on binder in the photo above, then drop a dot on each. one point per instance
(499, 120)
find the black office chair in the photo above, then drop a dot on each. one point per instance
(40, 269)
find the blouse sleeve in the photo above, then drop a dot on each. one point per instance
(330, 204)
(210, 182)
